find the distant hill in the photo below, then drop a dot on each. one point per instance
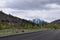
(53, 25)
(15, 22)
(38, 21)
(56, 22)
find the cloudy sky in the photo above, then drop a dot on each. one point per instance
(48, 10)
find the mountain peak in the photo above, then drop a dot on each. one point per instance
(38, 21)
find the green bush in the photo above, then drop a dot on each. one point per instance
(22, 31)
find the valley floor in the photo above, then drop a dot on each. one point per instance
(7, 32)
(40, 35)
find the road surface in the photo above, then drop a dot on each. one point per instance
(41, 35)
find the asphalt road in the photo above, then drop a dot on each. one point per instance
(41, 35)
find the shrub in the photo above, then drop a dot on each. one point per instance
(22, 31)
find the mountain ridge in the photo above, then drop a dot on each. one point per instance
(56, 22)
(15, 22)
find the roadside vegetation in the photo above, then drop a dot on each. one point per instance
(7, 32)
(51, 26)
(6, 29)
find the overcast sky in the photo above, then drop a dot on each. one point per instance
(48, 10)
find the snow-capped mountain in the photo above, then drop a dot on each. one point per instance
(38, 21)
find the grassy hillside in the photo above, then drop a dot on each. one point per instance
(9, 21)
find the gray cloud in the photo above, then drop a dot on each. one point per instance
(30, 4)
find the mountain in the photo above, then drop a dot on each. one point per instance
(53, 25)
(56, 22)
(14, 22)
(38, 21)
